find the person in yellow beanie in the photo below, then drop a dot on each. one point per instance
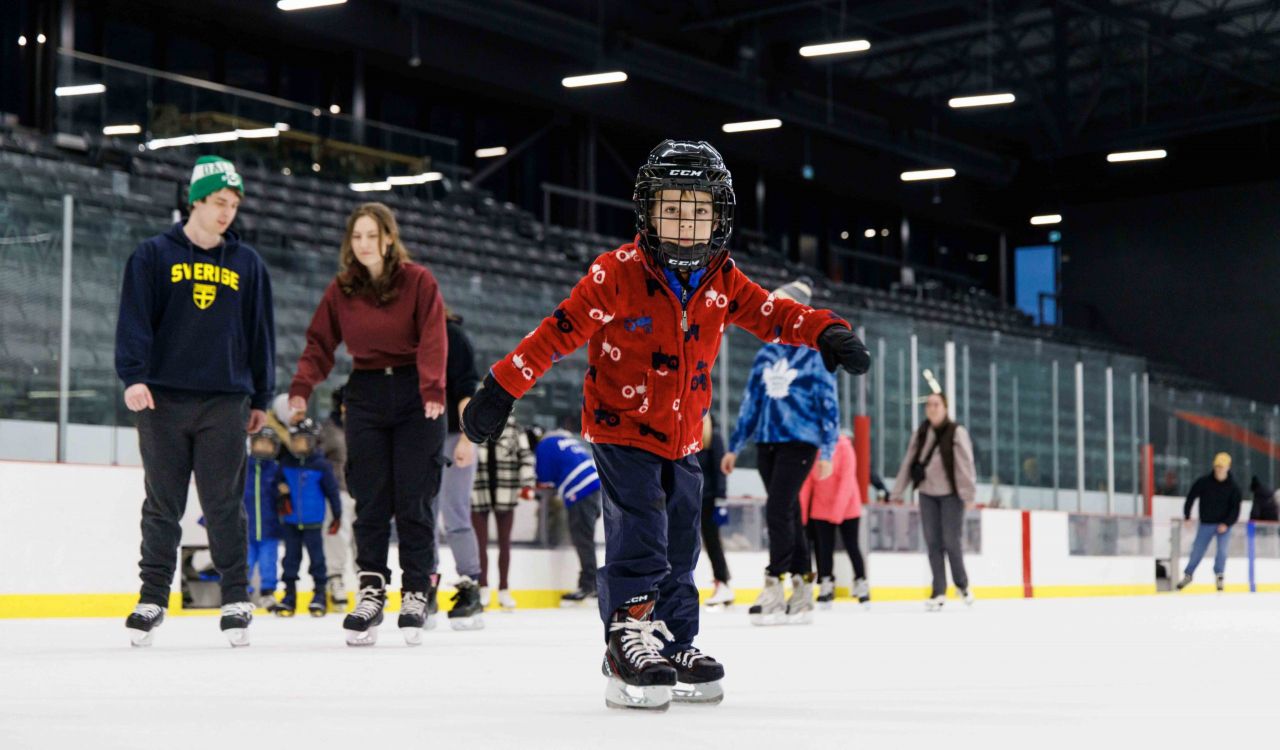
(1219, 498)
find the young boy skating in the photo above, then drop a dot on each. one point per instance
(653, 313)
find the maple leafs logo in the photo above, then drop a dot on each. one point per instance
(778, 377)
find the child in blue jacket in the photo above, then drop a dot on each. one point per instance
(307, 482)
(262, 475)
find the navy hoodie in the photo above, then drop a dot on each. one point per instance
(197, 320)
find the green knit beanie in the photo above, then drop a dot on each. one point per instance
(211, 174)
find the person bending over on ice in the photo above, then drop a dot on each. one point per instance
(653, 313)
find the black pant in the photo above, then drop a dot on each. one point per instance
(824, 538)
(394, 461)
(583, 515)
(711, 539)
(942, 519)
(202, 433)
(784, 467)
(294, 539)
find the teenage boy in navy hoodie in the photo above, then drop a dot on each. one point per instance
(195, 348)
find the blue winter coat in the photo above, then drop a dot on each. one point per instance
(790, 397)
(311, 482)
(260, 479)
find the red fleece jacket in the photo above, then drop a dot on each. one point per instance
(648, 381)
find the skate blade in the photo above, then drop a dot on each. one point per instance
(474, 622)
(431, 623)
(801, 618)
(824, 605)
(766, 620)
(931, 607)
(282, 612)
(141, 638)
(237, 637)
(572, 605)
(412, 636)
(619, 694)
(362, 637)
(699, 693)
(318, 612)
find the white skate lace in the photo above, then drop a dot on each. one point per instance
(686, 658)
(370, 603)
(640, 642)
(237, 608)
(149, 611)
(412, 603)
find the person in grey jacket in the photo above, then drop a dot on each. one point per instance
(939, 465)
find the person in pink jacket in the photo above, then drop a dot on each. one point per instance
(830, 504)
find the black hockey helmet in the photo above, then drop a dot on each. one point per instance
(266, 433)
(308, 429)
(684, 166)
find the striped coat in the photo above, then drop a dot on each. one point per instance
(503, 468)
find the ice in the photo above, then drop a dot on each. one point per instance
(1165, 671)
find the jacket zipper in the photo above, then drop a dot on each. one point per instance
(257, 498)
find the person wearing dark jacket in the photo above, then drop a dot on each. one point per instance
(195, 349)
(390, 314)
(1219, 498)
(307, 484)
(714, 489)
(1264, 502)
(260, 494)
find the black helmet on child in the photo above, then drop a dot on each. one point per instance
(308, 429)
(266, 433)
(684, 166)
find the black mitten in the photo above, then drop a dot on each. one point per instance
(486, 414)
(841, 348)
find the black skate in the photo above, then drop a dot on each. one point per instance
(433, 601)
(577, 598)
(288, 603)
(639, 676)
(413, 616)
(361, 625)
(1219, 583)
(697, 678)
(142, 624)
(1185, 582)
(236, 617)
(319, 605)
(467, 612)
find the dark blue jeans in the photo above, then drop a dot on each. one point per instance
(1204, 534)
(652, 507)
(294, 539)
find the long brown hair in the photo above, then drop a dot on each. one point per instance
(353, 277)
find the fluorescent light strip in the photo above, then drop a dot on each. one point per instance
(1046, 219)
(1120, 156)
(487, 153)
(749, 125)
(221, 137)
(88, 88)
(593, 79)
(122, 130)
(835, 48)
(307, 4)
(981, 100)
(945, 173)
(415, 179)
(258, 133)
(368, 187)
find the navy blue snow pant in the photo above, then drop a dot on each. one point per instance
(652, 507)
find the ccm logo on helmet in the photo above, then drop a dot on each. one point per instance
(685, 172)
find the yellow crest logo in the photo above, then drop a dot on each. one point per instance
(203, 294)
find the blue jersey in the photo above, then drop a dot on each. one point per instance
(561, 460)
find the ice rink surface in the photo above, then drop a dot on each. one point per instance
(1161, 672)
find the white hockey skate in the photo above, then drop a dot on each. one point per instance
(506, 601)
(967, 595)
(770, 607)
(826, 592)
(935, 604)
(721, 597)
(800, 603)
(862, 592)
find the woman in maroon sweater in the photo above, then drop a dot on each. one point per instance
(389, 312)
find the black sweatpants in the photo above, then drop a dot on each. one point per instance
(784, 467)
(711, 538)
(295, 538)
(202, 433)
(824, 537)
(394, 462)
(583, 515)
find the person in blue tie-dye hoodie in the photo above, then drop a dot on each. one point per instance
(790, 409)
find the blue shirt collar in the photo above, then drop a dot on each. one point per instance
(678, 287)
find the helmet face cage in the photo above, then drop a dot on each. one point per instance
(680, 229)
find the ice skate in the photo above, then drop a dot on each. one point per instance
(1185, 582)
(361, 626)
(1219, 583)
(639, 676)
(236, 617)
(800, 603)
(506, 601)
(467, 613)
(577, 598)
(862, 591)
(338, 591)
(142, 624)
(266, 600)
(770, 607)
(934, 604)
(485, 599)
(413, 616)
(319, 605)
(721, 597)
(826, 592)
(967, 595)
(697, 678)
(288, 603)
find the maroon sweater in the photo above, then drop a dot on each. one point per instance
(410, 329)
